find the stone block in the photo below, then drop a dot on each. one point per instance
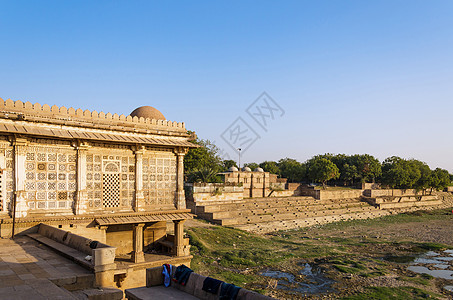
(103, 256)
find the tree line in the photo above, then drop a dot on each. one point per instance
(204, 163)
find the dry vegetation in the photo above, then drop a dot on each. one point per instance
(364, 258)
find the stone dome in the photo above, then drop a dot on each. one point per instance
(233, 169)
(147, 112)
(246, 169)
(258, 170)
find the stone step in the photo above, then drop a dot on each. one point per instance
(289, 216)
(267, 227)
(99, 294)
(219, 207)
(74, 283)
(395, 205)
(277, 210)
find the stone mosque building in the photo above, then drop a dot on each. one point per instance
(114, 178)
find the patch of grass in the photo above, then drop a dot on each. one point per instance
(346, 269)
(345, 241)
(418, 216)
(398, 293)
(235, 278)
(373, 274)
(426, 276)
(433, 246)
(334, 188)
(238, 249)
(237, 256)
(422, 279)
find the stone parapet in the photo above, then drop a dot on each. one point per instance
(62, 115)
(213, 192)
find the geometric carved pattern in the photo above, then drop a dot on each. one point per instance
(111, 190)
(94, 180)
(7, 179)
(50, 176)
(1, 191)
(108, 190)
(127, 180)
(159, 179)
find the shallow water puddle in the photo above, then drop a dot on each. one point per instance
(450, 252)
(439, 265)
(445, 274)
(314, 281)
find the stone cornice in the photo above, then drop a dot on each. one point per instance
(88, 217)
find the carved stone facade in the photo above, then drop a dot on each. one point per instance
(100, 175)
(53, 171)
(47, 181)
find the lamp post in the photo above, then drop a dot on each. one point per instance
(239, 164)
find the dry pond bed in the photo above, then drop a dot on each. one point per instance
(358, 259)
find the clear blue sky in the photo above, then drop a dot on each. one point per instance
(352, 76)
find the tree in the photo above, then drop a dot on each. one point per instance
(228, 164)
(291, 169)
(368, 167)
(425, 179)
(252, 165)
(270, 166)
(440, 179)
(400, 173)
(349, 173)
(203, 163)
(322, 170)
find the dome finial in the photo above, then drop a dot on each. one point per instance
(147, 112)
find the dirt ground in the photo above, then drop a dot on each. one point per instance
(365, 259)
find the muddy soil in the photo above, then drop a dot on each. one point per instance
(356, 255)
(369, 246)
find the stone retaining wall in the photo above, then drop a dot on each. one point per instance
(332, 195)
(392, 192)
(212, 192)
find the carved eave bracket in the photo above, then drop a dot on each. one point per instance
(181, 150)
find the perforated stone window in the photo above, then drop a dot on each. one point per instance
(50, 177)
(1, 191)
(113, 186)
(111, 190)
(94, 180)
(159, 179)
(7, 180)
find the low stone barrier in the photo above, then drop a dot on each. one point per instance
(211, 192)
(192, 290)
(76, 247)
(392, 193)
(331, 195)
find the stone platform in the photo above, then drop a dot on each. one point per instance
(30, 271)
(263, 215)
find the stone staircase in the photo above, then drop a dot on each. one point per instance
(264, 215)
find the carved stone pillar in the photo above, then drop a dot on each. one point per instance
(137, 254)
(179, 237)
(20, 153)
(252, 185)
(266, 181)
(81, 202)
(180, 196)
(3, 146)
(139, 201)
